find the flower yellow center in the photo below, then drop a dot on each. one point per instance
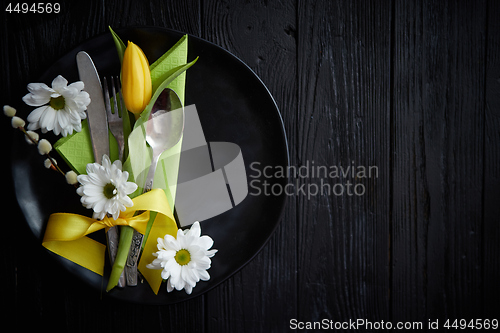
(57, 103)
(183, 257)
(109, 190)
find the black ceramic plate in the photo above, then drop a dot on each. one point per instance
(233, 106)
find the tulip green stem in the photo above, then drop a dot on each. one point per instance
(126, 234)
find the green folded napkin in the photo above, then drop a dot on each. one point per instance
(76, 149)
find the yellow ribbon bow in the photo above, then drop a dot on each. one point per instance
(66, 234)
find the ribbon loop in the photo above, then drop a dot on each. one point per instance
(66, 233)
(138, 222)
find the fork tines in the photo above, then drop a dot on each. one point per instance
(114, 105)
(108, 97)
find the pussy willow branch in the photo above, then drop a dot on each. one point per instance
(52, 160)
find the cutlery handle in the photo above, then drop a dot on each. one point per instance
(148, 184)
(133, 256)
(135, 247)
(112, 238)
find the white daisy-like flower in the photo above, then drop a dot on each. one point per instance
(184, 261)
(105, 188)
(60, 108)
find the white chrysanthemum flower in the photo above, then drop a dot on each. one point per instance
(184, 261)
(60, 108)
(105, 188)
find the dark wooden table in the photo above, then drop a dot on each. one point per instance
(411, 87)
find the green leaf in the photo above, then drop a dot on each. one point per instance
(120, 46)
(127, 129)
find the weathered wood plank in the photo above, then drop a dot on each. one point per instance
(178, 15)
(262, 296)
(491, 179)
(438, 100)
(343, 121)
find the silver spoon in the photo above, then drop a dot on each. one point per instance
(163, 131)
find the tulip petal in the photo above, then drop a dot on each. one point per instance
(136, 79)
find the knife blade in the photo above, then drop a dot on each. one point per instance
(96, 112)
(98, 128)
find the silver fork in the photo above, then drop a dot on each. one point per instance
(115, 124)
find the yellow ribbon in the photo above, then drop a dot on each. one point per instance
(66, 234)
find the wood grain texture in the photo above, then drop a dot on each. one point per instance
(411, 87)
(262, 295)
(344, 67)
(491, 177)
(178, 15)
(438, 126)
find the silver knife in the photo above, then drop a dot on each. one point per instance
(98, 128)
(96, 111)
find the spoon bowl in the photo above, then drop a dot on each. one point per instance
(163, 129)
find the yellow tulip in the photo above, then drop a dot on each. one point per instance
(136, 79)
